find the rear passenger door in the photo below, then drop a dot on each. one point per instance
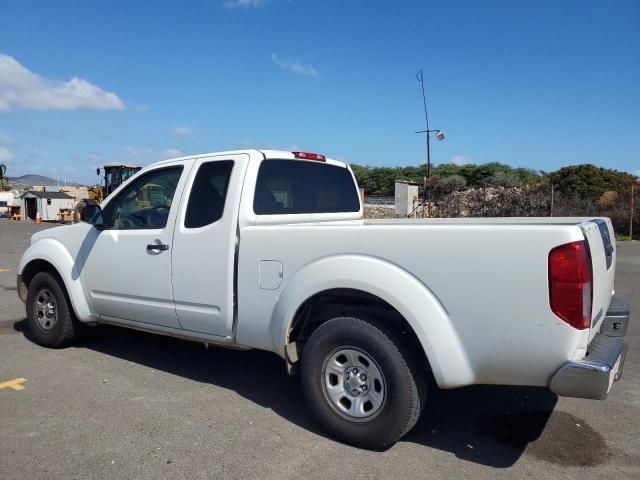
(204, 244)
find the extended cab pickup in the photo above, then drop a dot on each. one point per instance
(268, 250)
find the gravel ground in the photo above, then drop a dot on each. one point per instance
(130, 405)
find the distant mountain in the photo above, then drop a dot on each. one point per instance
(30, 180)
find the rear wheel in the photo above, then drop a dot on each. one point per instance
(363, 384)
(49, 314)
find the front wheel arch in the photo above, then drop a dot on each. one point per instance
(65, 327)
(34, 267)
(50, 254)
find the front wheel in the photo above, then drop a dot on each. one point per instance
(364, 386)
(49, 315)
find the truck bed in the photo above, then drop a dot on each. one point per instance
(489, 276)
(481, 221)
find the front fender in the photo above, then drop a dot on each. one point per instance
(55, 253)
(391, 283)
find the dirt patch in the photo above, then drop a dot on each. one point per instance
(566, 439)
(7, 327)
(570, 441)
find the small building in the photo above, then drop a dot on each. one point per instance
(9, 201)
(48, 204)
(407, 199)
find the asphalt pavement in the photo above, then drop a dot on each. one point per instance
(130, 405)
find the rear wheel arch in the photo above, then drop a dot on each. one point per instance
(326, 305)
(390, 283)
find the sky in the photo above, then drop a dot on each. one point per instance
(540, 84)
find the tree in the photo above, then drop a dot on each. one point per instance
(379, 181)
(590, 182)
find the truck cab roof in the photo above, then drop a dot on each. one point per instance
(263, 154)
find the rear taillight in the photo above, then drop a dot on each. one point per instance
(309, 156)
(570, 283)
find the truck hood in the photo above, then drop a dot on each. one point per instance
(62, 233)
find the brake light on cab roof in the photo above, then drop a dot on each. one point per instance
(310, 156)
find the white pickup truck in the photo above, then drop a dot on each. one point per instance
(268, 250)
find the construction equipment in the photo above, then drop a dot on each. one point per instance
(3, 171)
(114, 176)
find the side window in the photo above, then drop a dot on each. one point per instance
(208, 194)
(145, 203)
(298, 186)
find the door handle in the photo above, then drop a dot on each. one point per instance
(159, 247)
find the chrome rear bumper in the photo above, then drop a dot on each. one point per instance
(593, 376)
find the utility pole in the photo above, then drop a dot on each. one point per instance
(631, 219)
(427, 188)
(439, 136)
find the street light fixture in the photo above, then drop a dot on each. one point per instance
(439, 135)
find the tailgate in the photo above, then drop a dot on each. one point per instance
(599, 235)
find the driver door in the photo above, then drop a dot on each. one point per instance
(127, 270)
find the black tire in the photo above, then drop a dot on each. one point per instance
(66, 328)
(403, 372)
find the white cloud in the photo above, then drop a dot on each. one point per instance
(144, 155)
(295, 66)
(5, 154)
(181, 131)
(21, 88)
(171, 153)
(139, 107)
(139, 155)
(459, 160)
(6, 139)
(231, 4)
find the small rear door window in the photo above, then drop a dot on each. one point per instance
(208, 194)
(298, 186)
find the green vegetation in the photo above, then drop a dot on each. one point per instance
(585, 181)
(379, 181)
(589, 181)
(471, 191)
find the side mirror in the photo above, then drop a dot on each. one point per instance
(98, 171)
(91, 214)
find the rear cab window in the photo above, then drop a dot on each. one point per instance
(208, 194)
(299, 186)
